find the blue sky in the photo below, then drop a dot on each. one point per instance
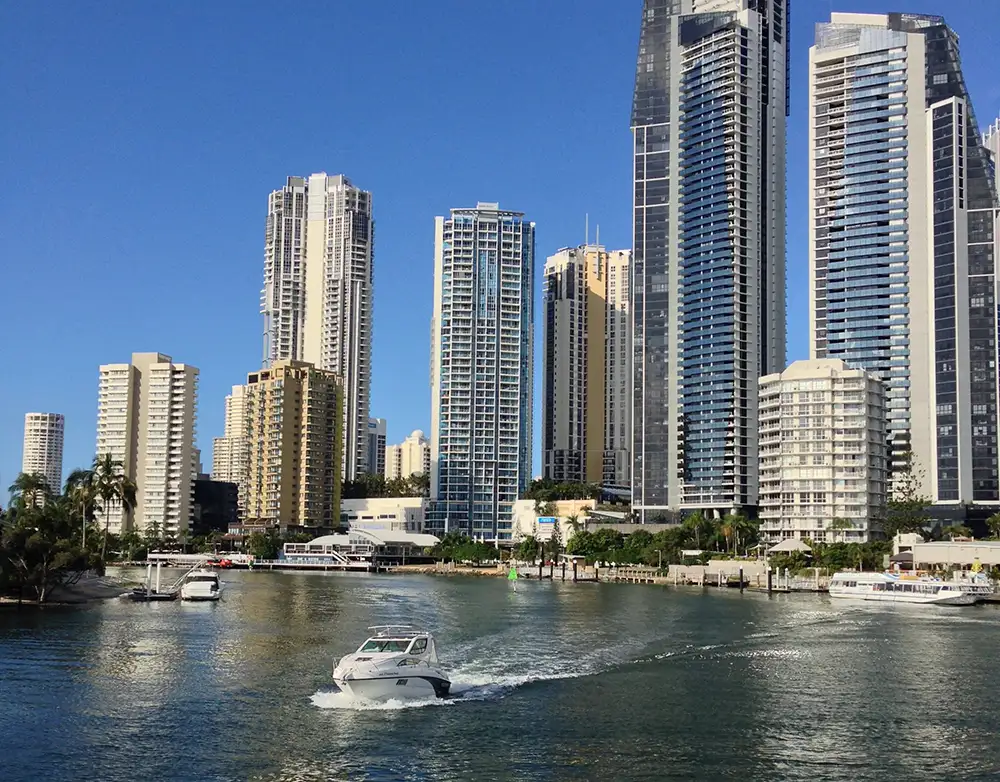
(140, 142)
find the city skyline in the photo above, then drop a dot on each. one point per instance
(216, 261)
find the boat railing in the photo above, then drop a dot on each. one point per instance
(402, 631)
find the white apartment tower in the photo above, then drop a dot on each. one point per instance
(481, 370)
(229, 452)
(146, 419)
(43, 448)
(708, 284)
(903, 225)
(823, 453)
(317, 296)
(586, 410)
(411, 457)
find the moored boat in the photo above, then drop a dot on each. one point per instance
(201, 585)
(893, 588)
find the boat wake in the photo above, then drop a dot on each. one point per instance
(469, 683)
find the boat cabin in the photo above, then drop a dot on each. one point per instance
(400, 640)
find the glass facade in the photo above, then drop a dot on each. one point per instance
(483, 371)
(708, 294)
(903, 241)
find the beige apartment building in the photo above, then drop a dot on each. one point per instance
(229, 451)
(587, 408)
(823, 453)
(294, 425)
(147, 420)
(410, 457)
(43, 448)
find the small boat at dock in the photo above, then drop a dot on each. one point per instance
(921, 590)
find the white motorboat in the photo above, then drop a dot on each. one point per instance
(201, 585)
(892, 588)
(396, 662)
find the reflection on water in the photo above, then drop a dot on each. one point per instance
(556, 681)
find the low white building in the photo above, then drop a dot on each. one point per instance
(361, 547)
(822, 453)
(529, 522)
(399, 514)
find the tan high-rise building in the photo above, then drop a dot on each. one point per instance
(229, 451)
(43, 448)
(294, 426)
(411, 457)
(147, 420)
(587, 366)
(317, 296)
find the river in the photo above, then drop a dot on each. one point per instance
(558, 681)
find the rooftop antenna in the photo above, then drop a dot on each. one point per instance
(597, 240)
(586, 228)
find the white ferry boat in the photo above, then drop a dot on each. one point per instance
(891, 588)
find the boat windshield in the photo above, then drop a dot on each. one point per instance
(385, 645)
(210, 579)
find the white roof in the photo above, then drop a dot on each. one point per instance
(789, 544)
(378, 537)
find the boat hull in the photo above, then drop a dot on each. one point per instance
(193, 595)
(386, 688)
(962, 599)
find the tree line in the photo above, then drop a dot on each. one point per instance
(373, 486)
(49, 539)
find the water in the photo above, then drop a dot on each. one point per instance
(555, 682)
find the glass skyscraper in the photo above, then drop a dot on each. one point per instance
(708, 119)
(903, 231)
(481, 370)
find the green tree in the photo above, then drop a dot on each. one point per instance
(420, 485)
(907, 510)
(527, 549)
(114, 488)
(40, 551)
(30, 490)
(700, 528)
(956, 531)
(82, 493)
(553, 546)
(839, 525)
(264, 545)
(993, 523)
(130, 543)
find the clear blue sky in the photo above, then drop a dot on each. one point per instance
(140, 142)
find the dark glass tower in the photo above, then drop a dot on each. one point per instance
(708, 119)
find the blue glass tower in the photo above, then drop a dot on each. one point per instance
(903, 226)
(708, 120)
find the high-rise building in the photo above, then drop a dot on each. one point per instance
(823, 454)
(481, 370)
(586, 366)
(903, 241)
(229, 452)
(411, 457)
(294, 425)
(708, 121)
(317, 296)
(376, 446)
(146, 420)
(43, 448)
(991, 140)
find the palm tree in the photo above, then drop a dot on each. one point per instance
(956, 531)
(573, 520)
(31, 489)
(82, 493)
(993, 522)
(112, 486)
(728, 530)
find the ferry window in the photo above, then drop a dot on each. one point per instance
(419, 646)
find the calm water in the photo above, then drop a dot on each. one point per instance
(555, 682)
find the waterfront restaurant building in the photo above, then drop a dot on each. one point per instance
(359, 547)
